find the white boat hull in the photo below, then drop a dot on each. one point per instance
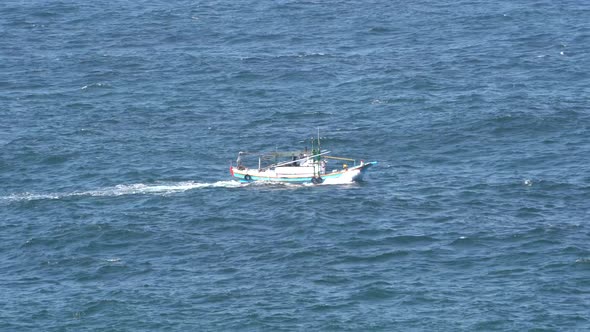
(300, 174)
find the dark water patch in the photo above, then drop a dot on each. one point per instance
(465, 242)
(380, 30)
(397, 241)
(303, 254)
(509, 273)
(332, 280)
(540, 243)
(371, 258)
(377, 292)
(326, 307)
(57, 159)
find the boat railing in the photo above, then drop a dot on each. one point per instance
(342, 158)
(290, 162)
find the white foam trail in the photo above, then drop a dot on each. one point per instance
(141, 188)
(161, 189)
(130, 189)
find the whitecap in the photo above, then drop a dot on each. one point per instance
(113, 260)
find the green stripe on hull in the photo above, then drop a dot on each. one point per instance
(306, 179)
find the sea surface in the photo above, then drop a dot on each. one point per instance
(119, 120)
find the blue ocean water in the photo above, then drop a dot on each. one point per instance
(119, 120)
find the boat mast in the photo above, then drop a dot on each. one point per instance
(312, 157)
(319, 146)
(319, 159)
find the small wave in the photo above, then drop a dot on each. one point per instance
(379, 101)
(283, 56)
(120, 190)
(95, 85)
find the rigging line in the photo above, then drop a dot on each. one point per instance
(293, 161)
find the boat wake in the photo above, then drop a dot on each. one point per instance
(120, 190)
(155, 189)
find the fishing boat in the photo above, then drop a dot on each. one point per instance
(308, 166)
